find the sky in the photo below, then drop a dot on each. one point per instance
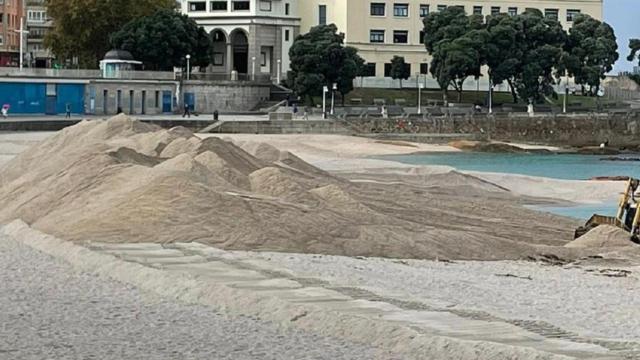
(623, 16)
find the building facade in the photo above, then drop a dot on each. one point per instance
(38, 24)
(249, 36)
(380, 29)
(11, 13)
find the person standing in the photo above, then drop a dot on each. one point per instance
(187, 111)
(68, 111)
(5, 110)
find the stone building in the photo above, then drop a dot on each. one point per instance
(249, 36)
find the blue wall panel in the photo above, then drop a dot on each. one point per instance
(24, 98)
(70, 94)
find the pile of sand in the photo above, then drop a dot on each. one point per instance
(125, 181)
(603, 236)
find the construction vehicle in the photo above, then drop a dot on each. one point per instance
(627, 216)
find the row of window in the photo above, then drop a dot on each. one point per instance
(402, 10)
(237, 5)
(222, 5)
(399, 36)
(370, 69)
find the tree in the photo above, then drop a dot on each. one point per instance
(591, 50)
(504, 50)
(162, 40)
(542, 40)
(455, 42)
(353, 67)
(399, 69)
(82, 28)
(319, 58)
(634, 46)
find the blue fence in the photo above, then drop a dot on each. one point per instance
(41, 98)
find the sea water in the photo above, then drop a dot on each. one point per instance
(558, 166)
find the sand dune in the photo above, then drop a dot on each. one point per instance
(122, 180)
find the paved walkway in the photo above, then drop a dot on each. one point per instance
(49, 311)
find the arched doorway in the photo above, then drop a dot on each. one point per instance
(219, 39)
(240, 48)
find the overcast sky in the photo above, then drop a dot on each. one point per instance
(624, 16)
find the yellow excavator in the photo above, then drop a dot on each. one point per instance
(627, 217)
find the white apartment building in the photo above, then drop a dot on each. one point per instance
(380, 29)
(249, 35)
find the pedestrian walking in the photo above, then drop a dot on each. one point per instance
(295, 110)
(68, 111)
(187, 111)
(5, 110)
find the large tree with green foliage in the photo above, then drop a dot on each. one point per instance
(542, 41)
(455, 42)
(162, 40)
(82, 28)
(319, 58)
(400, 70)
(591, 50)
(504, 50)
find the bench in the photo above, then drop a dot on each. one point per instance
(356, 101)
(379, 102)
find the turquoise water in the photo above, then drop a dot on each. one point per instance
(559, 166)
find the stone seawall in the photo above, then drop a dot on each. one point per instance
(622, 130)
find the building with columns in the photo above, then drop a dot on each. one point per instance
(249, 36)
(380, 29)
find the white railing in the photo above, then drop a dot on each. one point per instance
(84, 74)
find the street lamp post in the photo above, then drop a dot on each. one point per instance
(278, 72)
(188, 66)
(420, 85)
(325, 89)
(22, 33)
(490, 96)
(253, 68)
(333, 94)
(566, 93)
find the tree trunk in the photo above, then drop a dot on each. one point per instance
(342, 98)
(513, 91)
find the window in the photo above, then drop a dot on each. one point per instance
(369, 69)
(513, 11)
(495, 10)
(241, 5)
(387, 70)
(377, 9)
(424, 10)
(51, 90)
(441, 7)
(218, 59)
(376, 36)
(424, 68)
(400, 36)
(477, 10)
(286, 35)
(322, 14)
(571, 14)
(197, 6)
(263, 57)
(551, 14)
(401, 10)
(218, 6)
(287, 8)
(265, 5)
(422, 37)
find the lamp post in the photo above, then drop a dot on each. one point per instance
(253, 68)
(566, 93)
(188, 67)
(420, 85)
(325, 89)
(22, 33)
(278, 72)
(333, 95)
(490, 96)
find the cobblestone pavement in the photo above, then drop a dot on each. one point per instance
(49, 311)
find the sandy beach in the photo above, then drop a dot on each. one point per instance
(318, 216)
